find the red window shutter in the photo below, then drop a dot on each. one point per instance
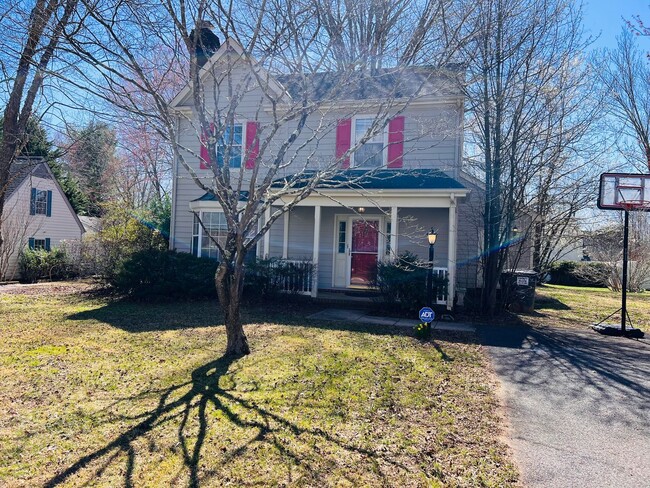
(343, 140)
(396, 142)
(205, 160)
(252, 144)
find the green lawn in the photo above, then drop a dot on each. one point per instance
(581, 307)
(104, 393)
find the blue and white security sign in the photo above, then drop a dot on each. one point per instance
(427, 315)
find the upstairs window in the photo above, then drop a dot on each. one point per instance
(231, 142)
(374, 152)
(371, 153)
(232, 137)
(41, 202)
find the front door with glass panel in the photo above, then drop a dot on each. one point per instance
(364, 251)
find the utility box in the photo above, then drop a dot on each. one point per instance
(518, 290)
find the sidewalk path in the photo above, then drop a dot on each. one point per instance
(578, 405)
(362, 316)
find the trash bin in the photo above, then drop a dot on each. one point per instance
(518, 290)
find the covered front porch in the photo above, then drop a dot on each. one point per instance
(343, 235)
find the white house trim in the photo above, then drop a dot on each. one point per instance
(285, 237)
(394, 223)
(267, 236)
(315, 251)
(451, 252)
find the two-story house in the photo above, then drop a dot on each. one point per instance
(400, 182)
(37, 214)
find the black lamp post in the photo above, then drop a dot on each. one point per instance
(432, 236)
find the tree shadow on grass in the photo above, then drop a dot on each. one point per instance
(148, 317)
(195, 407)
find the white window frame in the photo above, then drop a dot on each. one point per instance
(40, 240)
(353, 139)
(40, 205)
(242, 163)
(199, 241)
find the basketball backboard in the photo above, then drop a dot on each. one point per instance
(624, 191)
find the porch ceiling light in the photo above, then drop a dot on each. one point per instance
(361, 210)
(432, 236)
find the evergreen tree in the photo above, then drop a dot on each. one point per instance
(37, 144)
(91, 154)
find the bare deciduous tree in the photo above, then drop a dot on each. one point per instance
(625, 78)
(32, 32)
(529, 114)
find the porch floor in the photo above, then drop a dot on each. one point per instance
(362, 316)
(350, 295)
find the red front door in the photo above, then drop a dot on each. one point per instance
(363, 252)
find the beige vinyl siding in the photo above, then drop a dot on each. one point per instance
(470, 228)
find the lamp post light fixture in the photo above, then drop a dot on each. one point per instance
(431, 236)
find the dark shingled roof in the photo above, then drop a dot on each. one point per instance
(385, 83)
(354, 179)
(385, 179)
(21, 168)
(210, 197)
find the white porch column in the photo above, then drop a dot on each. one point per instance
(267, 236)
(316, 251)
(393, 232)
(451, 252)
(285, 237)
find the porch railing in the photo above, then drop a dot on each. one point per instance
(293, 276)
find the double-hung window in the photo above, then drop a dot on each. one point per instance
(230, 146)
(36, 244)
(371, 153)
(41, 202)
(214, 228)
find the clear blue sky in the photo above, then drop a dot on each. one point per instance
(605, 18)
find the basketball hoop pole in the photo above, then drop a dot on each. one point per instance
(624, 297)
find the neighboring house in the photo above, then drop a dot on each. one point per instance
(414, 182)
(37, 214)
(91, 225)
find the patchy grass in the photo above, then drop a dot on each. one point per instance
(580, 307)
(118, 394)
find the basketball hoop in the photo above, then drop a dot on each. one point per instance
(630, 193)
(624, 191)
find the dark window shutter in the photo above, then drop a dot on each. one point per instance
(47, 243)
(32, 203)
(49, 203)
(31, 243)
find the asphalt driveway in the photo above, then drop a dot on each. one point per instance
(578, 405)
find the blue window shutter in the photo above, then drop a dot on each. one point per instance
(31, 243)
(32, 203)
(49, 204)
(47, 243)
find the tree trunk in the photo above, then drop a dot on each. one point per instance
(229, 280)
